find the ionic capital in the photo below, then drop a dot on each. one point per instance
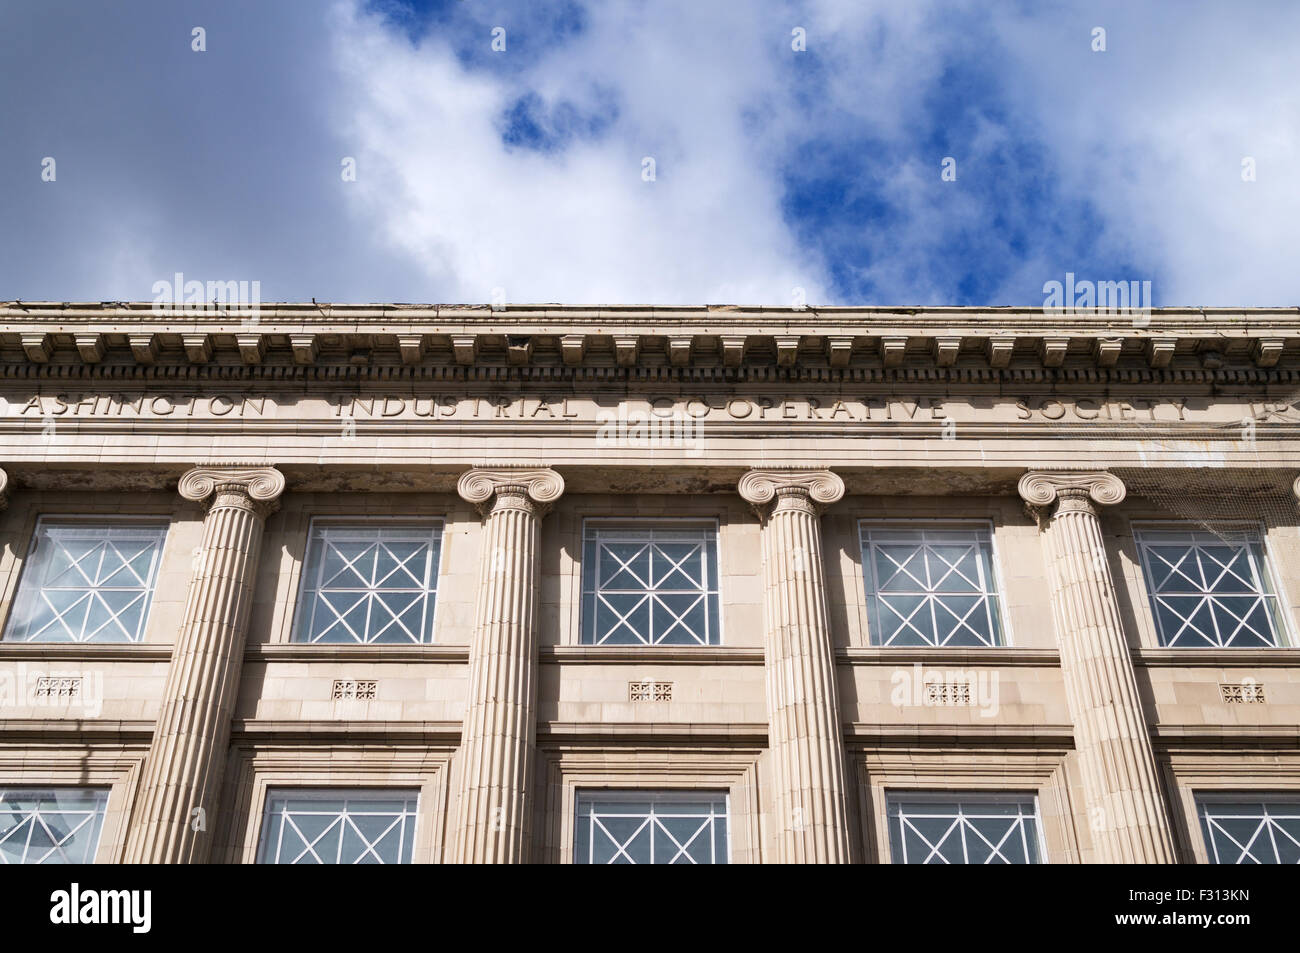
(795, 488)
(1296, 486)
(4, 489)
(253, 488)
(533, 489)
(1070, 489)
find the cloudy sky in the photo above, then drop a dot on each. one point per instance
(524, 173)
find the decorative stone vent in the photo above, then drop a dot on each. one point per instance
(650, 691)
(947, 693)
(1246, 693)
(358, 688)
(58, 686)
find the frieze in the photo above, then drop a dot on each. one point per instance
(733, 407)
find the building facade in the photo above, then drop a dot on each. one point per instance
(336, 584)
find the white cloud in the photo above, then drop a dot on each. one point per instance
(226, 164)
(1153, 131)
(1148, 135)
(578, 225)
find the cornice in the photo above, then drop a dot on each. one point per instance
(394, 732)
(959, 735)
(1150, 657)
(304, 652)
(393, 315)
(653, 733)
(650, 655)
(991, 657)
(86, 652)
(382, 371)
(85, 730)
(1258, 738)
(342, 338)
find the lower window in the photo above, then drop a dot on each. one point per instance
(1251, 829)
(51, 825)
(333, 826)
(650, 827)
(926, 828)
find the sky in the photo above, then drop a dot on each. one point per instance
(855, 152)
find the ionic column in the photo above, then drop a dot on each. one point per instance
(802, 701)
(177, 802)
(1121, 783)
(4, 490)
(500, 728)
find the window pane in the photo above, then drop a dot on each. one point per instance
(930, 587)
(87, 582)
(1251, 829)
(650, 586)
(338, 827)
(963, 829)
(650, 827)
(1207, 592)
(369, 584)
(50, 826)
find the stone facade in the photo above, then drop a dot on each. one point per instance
(806, 449)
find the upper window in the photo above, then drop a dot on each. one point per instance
(51, 825)
(368, 584)
(930, 586)
(646, 585)
(87, 582)
(963, 829)
(338, 827)
(1251, 829)
(650, 827)
(1207, 591)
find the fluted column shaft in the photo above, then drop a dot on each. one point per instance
(804, 735)
(500, 728)
(1121, 782)
(177, 803)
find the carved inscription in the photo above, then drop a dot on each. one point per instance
(722, 407)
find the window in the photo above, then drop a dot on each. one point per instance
(963, 829)
(1251, 829)
(1207, 591)
(650, 827)
(930, 587)
(50, 826)
(87, 582)
(369, 584)
(650, 585)
(338, 827)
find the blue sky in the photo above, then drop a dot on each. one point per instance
(779, 174)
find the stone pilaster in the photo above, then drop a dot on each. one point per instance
(1121, 783)
(176, 807)
(500, 727)
(804, 733)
